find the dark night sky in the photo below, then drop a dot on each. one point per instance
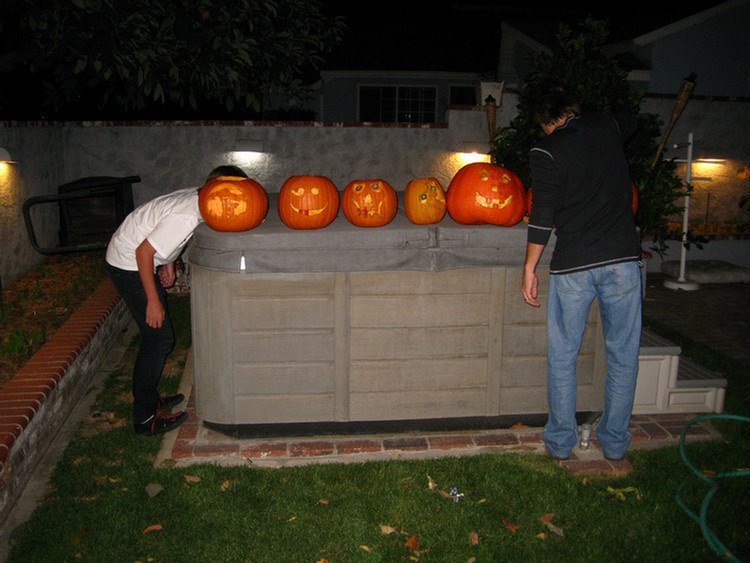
(464, 34)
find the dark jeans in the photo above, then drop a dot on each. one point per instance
(156, 343)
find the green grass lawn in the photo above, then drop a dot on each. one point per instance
(107, 503)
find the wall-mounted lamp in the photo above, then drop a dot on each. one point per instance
(249, 145)
(5, 156)
(474, 147)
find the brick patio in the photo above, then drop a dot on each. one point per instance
(195, 443)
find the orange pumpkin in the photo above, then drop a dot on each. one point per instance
(486, 193)
(369, 203)
(233, 203)
(424, 201)
(308, 202)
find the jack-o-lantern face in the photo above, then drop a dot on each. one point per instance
(369, 203)
(424, 201)
(308, 202)
(233, 203)
(486, 193)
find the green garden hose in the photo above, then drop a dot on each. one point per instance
(713, 482)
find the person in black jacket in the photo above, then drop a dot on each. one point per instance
(582, 191)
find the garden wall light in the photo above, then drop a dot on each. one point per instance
(5, 156)
(250, 145)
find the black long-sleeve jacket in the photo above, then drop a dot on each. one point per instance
(581, 189)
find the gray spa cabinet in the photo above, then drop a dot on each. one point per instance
(347, 328)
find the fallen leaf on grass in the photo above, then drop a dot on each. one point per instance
(547, 521)
(324, 560)
(430, 483)
(386, 530)
(323, 501)
(153, 489)
(474, 538)
(541, 536)
(412, 543)
(619, 494)
(80, 535)
(365, 547)
(154, 528)
(192, 479)
(104, 479)
(510, 525)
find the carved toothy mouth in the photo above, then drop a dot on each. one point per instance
(492, 203)
(309, 211)
(368, 210)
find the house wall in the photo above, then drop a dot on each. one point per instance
(716, 48)
(339, 92)
(173, 155)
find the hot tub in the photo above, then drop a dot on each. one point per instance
(348, 328)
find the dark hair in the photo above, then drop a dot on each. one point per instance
(226, 170)
(549, 100)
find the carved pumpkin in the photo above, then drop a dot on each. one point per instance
(369, 203)
(233, 203)
(486, 193)
(424, 201)
(308, 202)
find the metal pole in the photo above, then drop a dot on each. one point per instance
(681, 282)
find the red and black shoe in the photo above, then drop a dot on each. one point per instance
(159, 423)
(166, 402)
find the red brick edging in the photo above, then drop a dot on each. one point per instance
(35, 402)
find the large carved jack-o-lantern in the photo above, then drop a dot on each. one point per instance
(233, 203)
(486, 193)
(308, 202)
(424, 201)
(369, 203)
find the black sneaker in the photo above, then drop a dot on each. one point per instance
(159, 423)
(168, 401)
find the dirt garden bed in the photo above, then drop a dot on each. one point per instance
(35, 306)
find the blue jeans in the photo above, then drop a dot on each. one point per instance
(618, 289)
(156, 343)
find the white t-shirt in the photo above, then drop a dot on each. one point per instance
(167, 222)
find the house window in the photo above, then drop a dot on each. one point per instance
(402, 104)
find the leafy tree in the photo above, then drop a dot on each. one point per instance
(601, 85)
(144, 54)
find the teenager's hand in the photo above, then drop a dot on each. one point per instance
(155, 314)
(167, 275)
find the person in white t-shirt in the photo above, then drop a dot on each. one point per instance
(154, 235)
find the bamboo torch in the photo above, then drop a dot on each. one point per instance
(688, 85)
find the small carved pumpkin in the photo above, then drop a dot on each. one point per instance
(424, 201)
(233, 203)
(486, 193)
(369, 203)
(308, 202)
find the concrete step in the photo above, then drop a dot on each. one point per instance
(671, 383)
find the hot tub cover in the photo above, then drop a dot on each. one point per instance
(272, 247)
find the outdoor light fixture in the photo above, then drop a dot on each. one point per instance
(5, 156)
(474, 147)
(682, 282)
(249, 145)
